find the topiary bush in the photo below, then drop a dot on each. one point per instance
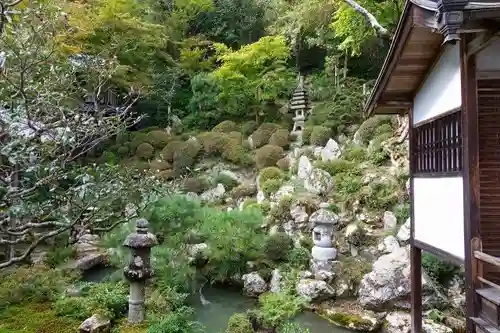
(213, 143)
(320, 135)
(339, 166)
(235, 153)
(280, 138)
(159, 165)
(168, 152)
(369, 128)
(194, 185)
(271, 186)
(268, 155)
(225, 127)
(145, 151)
(283, 164)
(239, 323)
(136, 139)
(270, 173)
(159, 138)
(248, 127)
(243, 190)
(262, 135)
(123, 151)
(278, 246)
(236, 137)
(354, 154)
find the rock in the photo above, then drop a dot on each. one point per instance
(342, 288)
(319, 182)
(73, 291)
(284, 191)
(38, 257)
(197, 250)
(388, 245)
(456, 293)
(331, 151)
(317, 152)
(213, 194)
(299, 214)
(324, 275)
(306, 275)
(232, 175)
(305, 167)
(275, 284)
(404, 232)
(95, 324)
(89, 261)
(353, 319)
(390, 221)
(354, 234)
(456, 324)
(407, 185)
(250, 142)
(191, 196)
(397, 322)
(314, 290)
(261, 197)
(253, 284)
(429, 326)
(388, 284)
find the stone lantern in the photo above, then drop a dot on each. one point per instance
(139, 269)
(323, 253)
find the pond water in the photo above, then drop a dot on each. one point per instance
(225, 302)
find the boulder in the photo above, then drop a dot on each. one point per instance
(353, 319)
(388, 284)
(197, 250)
(305, 167)
(89, 261)
(284, 191)
(319, 182)
(388, 245)
(299, 214)
(331, 151)
(400, 322)
(275, 284)
(390, 221)
(213, 194)
(95, 324)
(404, 232)
(253, 284)
(314, 290)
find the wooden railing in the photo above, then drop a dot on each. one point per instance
(479, 259)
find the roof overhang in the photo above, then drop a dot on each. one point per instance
(416, 46)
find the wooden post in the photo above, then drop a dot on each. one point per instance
(416, 288)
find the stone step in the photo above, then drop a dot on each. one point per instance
(483, 326)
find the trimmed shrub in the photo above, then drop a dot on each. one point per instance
(159, 165)
(271, 186)
(263, 134)
(108, 157)
(243, 190)
(225, 127)
(183, 163)
(268, 156)
(306, 134)
(159, 138)
(270, 173)
(283, 164)
(167, 174)
(354, 154)
(280, 138)
(194, 185)
(168, 152)
(235, 153)
(191, 147)
(145, 151)
(213, 143)
(136, 139)
(368, 129)
(239, 323)
(278, 246)
(235, 136)
(123, 151)
(320, 135)
(248, 127)
(338, 166)
(226, 180)
(249, 202)
(123, 137)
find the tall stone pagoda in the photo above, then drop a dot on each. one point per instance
(300, 106)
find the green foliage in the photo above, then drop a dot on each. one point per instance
(283, 164)
(374, 126)
(225, 127)
(299, 257)
(271, 186)
(195, 185)
(439, 270)
(402, 212)
(145, 151)
(59, 255)
(306, 134)
(270, 173)
(278, 246)
(263, 134)
(355, 154)
(339, 166)
(277, 308)
(349, 320)
(239, 323)
(158, 138)
(179, 321)
(292, 328)
(268, 156)
(243, 190)
(320, 135)
(170, 149)
(226, 180)
(248, 127)
(280, 138)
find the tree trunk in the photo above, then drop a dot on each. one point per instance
(379, 29)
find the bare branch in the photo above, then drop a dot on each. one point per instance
(379, 29)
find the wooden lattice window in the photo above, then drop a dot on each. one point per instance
(437, 146)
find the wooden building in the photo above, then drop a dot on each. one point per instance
(443, 70)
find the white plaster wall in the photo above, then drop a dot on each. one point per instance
(487, 59)
(439, 213)
(441, 90)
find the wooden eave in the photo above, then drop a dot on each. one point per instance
(413, 51)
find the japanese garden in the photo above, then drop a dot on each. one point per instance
(188, 166)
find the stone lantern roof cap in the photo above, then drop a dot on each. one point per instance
(141, 238)
(324, 216)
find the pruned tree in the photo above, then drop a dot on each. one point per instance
(46, 189)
